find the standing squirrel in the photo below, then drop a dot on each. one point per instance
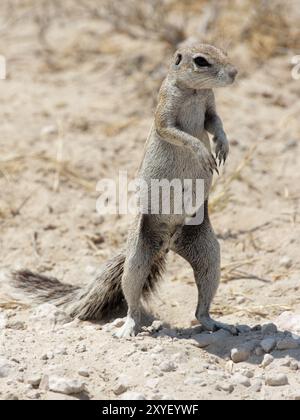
(178, 147)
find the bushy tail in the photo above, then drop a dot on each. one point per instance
(96, 301)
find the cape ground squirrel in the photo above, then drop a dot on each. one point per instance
(178, 147)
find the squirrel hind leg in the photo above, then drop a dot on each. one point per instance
(143, 266)
(199, 246)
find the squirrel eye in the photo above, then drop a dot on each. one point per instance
(178, 59)
(201, 62)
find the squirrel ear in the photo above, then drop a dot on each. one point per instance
(178, 59)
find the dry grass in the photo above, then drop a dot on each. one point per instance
(221, 193)
(61, 167)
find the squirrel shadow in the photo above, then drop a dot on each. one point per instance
(248, 340)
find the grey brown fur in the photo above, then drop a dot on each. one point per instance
(178, 147)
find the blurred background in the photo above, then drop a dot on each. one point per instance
(77, 105)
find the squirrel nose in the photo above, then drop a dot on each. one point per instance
(232, 72)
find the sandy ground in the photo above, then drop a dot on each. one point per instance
(65, 128)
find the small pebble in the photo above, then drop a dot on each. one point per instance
(268, 359)
(240, 355)
(241, 380)
(277, 380)
(134, 396)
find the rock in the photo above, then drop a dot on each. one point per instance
(259, 351)
(286, 262)
(49, 130)
(120, 388)
(268, 344)
(167, 366)
(239, 379)
(16, 325)
(91, 270)
(256, 385)
(134, 396)
(288, 344)
(243, 329)
(34, 380)
(152, 383)
(84, 372)
(225, 386)
(157, 349)
(33, 395)
(80, 348)
(269, 329)
(62, 385)
(289, 321)
(61, 351)
(122, 385)
(268, 359)
(248, 373)
(240, 355)
(207, 339)
(156, 325)
(5, 368)
(240, 300)
(277, 380)
(294, 365)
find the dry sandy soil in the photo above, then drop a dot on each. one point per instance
(81, 112)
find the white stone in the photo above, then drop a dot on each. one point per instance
(277, 380)
(152, 383)
(289, 321)
(80, 348)
(225, 386)
(157, 325)
(134, 396)
(167, 366)
(207, 339)
(90, 270)
(240, 355)
(120, 388)
(241, 380)
(286, 262)
(5, 368)
(64, 385)
(268, 359)
(34, 380)
(84, 372)
(49, 130)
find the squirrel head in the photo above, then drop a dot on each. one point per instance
(202, 66)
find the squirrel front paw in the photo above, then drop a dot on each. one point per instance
(208, 160)
(222, 148)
